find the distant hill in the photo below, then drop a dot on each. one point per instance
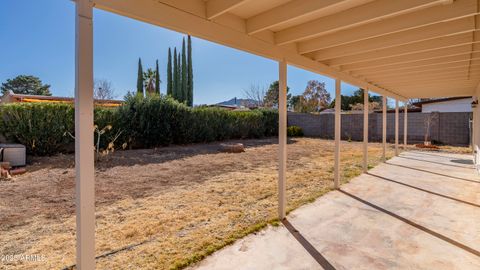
(238, 102)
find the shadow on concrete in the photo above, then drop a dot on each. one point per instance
(308, 247)
(437, 163)
(426, 171)
(424, 190)
(450, 158)
(415, 225)
(462, 161)
(428, 153)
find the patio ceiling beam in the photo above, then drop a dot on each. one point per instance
(438, 92)
(426, 63)
(407, 49)
(172, 18)
(400, 38)
(448, 67)
(373, 11)
(287, 12)
(459, 9)
(465, 67)
(416, 57)
(457, 83)
(460, 91)
(460, 75)
(215, 8)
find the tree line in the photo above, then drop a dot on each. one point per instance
(179, 75)
(315, 98)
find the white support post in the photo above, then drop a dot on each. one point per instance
(282, 138)
(84, 158)
(405, 125)
(396, 127)
(476, 133)
(384, 128)
(338, 128)
(365, 130)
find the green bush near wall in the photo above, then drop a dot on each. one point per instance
(141, 122)
(294, 131)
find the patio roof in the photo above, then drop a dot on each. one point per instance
(398, 49)
(402, 49)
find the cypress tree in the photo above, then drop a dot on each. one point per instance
(190, 74)
(169, 73)
(140, 78)
(175, 75)
(157, 79)
(179, 81)
(184, 73)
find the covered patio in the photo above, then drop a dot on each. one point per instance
(397, 49)
(416, 211)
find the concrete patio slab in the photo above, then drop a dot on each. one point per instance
(420, 210)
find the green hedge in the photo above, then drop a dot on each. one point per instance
(142, 123)
(294, 131)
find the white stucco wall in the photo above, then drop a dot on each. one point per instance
(458, 105)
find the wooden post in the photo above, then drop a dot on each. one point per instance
(84, 159)
(405, 125)
(396, 127)
(282, 138)
(365, 130)
(338, 128)
(384, 128)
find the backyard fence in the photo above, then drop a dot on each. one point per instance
(452, 128)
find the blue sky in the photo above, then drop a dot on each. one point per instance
(37, 38)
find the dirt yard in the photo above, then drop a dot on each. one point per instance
(163, 208)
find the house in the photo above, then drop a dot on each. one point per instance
(452, 104)
(15, 98)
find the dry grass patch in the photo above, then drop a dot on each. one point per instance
(176, 205)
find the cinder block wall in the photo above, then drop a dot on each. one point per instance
(448, 128)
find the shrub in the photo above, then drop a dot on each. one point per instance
(40, 127)
(141, 122)
(158, 120)
(294, 131)
(43, 127)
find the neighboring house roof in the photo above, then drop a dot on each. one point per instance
(420, 103)
(227, 107)
(12, 98)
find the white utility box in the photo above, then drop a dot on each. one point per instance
(16, 154)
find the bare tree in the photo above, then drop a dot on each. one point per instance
(429, 122)
(372, 106)
(315, 97)
(103, 89)
(256, 93)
